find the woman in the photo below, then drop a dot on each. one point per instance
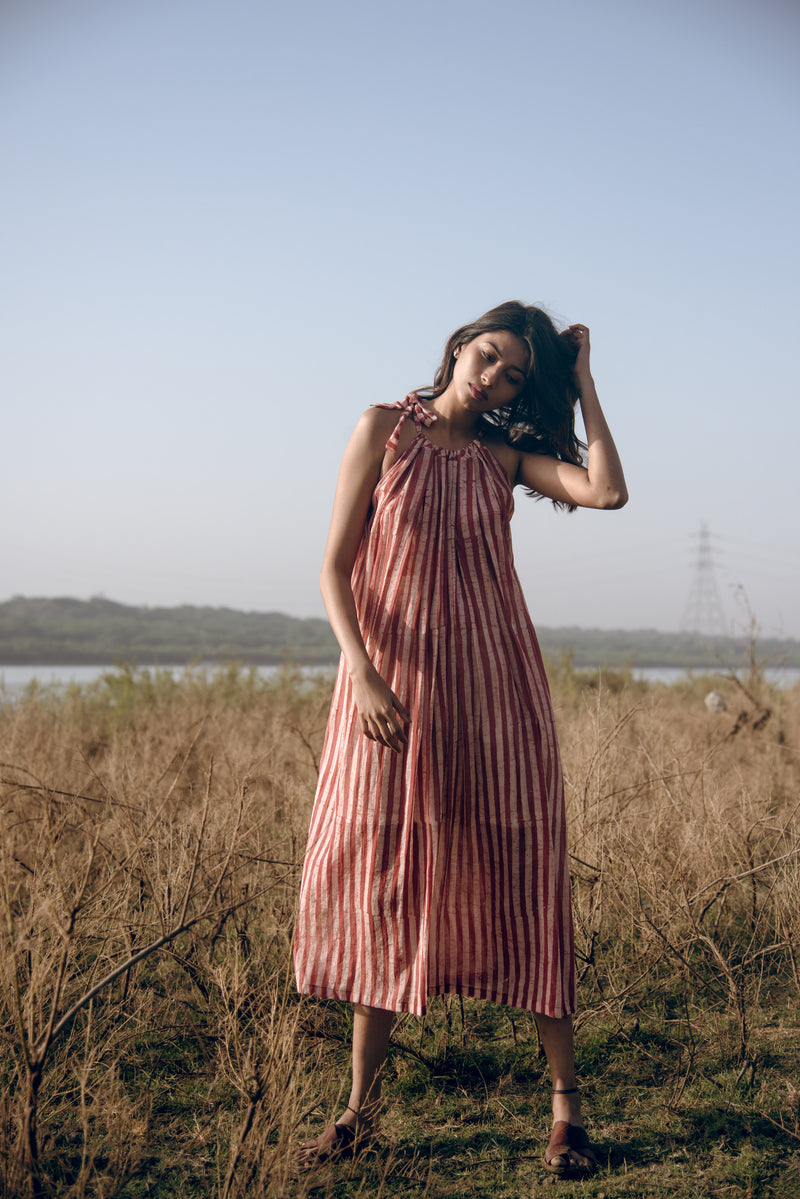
(437, 860)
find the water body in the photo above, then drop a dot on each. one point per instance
(14, 679)
(779, 676)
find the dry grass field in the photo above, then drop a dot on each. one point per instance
(153, 1044)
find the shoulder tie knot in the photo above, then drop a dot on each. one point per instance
(414, 405)
(410, 406)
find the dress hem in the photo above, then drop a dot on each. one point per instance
(412, 1009)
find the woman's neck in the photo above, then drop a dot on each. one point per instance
(453, 416)
(455, 427)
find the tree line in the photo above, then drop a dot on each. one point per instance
(99, 631)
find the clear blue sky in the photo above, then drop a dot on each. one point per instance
(228, 226)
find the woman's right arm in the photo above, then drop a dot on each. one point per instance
(379, 709)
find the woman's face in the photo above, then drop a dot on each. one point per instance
(491, 370)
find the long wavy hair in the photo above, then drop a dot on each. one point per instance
(541, 419)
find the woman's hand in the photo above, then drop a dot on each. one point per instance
(579, 335)
(379, 709)
(601, 483)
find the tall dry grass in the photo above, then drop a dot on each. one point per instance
(685, 838)
(152, 831)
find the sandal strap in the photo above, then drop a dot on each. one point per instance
(327, 1149)
(345, 1133)
(565, 1137)
(566, 1091)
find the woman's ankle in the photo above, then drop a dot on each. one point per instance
(567, 1106)
(365, 1115)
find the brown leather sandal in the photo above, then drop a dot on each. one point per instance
(335, 1144)
(569, 1152)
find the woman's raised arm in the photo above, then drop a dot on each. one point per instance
(601, 484)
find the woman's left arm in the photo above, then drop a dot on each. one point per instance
(601, 484)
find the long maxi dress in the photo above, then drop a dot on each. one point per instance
(442, 868)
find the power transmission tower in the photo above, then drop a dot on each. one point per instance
(703, 612)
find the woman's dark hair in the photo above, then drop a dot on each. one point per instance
(541, 419)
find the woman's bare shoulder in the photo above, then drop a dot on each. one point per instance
(373, 430)
(376, 423)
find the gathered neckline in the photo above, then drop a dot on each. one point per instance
(451, 453)
(478, 444)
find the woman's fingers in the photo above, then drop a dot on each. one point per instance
(389, 732)
(580, 335)
(381, 711)
(385, 728)
(397, 731)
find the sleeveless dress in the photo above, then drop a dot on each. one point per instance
(442, 868)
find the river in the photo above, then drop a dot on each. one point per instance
(14, 679)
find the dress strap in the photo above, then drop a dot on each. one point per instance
(410, 406)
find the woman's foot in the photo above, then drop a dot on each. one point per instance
(568, 1151)
(350, 1135)
(333, 1145)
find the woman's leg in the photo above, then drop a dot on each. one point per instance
(559, 1047)
(371, 1030)
(372, 1027)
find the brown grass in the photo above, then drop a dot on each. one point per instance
(154, 1045)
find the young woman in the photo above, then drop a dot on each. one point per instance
(437, 858)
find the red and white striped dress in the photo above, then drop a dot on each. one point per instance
(442, 868)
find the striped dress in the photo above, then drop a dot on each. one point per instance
(442, 868)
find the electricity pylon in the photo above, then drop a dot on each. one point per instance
(703, 612)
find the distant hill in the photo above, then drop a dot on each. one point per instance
(647, 647)
(71, 632)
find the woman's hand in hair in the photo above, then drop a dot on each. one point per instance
(599, 484)
(579, 335)
(380, 711)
